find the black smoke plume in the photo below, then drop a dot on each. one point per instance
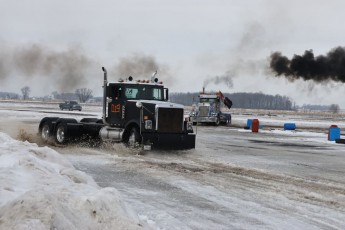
(66, 70)
(223, 79)
(322, 68)
(72, 68)
(141, 66)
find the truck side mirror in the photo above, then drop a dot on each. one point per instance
(166, 94)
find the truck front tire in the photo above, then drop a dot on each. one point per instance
(133, 138)
(217, 122)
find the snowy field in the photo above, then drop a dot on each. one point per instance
(234, 179)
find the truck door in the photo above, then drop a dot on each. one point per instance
(115, 106)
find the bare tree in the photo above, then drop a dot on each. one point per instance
(25, 92)
(334, 108)
(83, 94)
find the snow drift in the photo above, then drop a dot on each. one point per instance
(39, 189)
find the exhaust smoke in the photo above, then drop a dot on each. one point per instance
(141, 66)
(322, 68)
(66, 70)
(223, 79)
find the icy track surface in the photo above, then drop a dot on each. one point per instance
(234, 179)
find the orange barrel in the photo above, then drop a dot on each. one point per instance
(329, 131)
(255, 125)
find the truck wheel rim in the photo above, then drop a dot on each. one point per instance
(60, 134)
(45, 132)
(131, 140)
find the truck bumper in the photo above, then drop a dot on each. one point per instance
(170, 141)
(204, 119)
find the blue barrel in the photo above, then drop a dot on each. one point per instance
(334, 134)
(289, 126)
(249, 123)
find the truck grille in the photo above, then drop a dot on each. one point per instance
(203, 111)
(170, 120)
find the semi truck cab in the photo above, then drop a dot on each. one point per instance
(136, 112)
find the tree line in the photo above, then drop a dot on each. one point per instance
(334, 108)
(82, 94)
(241, 100)
(256, 101)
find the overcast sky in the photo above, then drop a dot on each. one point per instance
(189, 42)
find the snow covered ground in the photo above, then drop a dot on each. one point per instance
(234, 179)
(40, 189)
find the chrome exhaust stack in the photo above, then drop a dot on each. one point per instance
(153, 78)
(108, 133)
(105, 83)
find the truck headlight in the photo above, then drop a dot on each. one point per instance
(189, 126)
(148, 124)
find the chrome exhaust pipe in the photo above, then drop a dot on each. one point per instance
(105, 83)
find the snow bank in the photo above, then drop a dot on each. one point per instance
(39, 189)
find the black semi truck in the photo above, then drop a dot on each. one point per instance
(137, 113)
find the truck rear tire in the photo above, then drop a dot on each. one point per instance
(45, 131)
(61, 134)
(66, 130)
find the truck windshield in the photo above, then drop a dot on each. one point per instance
(208, 100)
(144, 92)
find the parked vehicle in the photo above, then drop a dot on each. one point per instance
(70, 105)
(137, 113)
